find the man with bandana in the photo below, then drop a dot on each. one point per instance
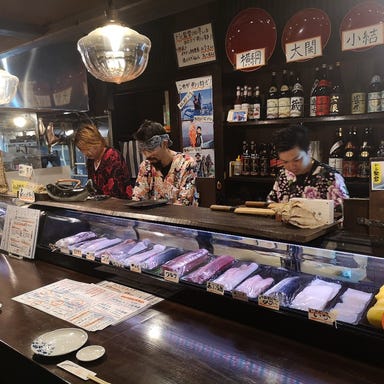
(164, 174)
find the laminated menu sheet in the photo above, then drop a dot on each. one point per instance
(89, 306)
(20, 231)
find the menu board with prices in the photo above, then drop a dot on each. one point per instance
(20, 231)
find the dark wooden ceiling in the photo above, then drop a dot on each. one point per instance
(24, 23)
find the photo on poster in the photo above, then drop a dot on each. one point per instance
(197, 134)
(199, 104)
(204, 161)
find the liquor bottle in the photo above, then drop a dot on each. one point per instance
(350, 156)
(292, 80)
(273, 161)
(297, 99)
(336, 152)
(244, 98)
(322, 93)
(284, 97)
(238, 101)
(336, 103)
(251, 104)
(380, 149)
(365, 152)
(257, 103)
(273, 99)
(254, 166)
(245, 157)
(312, 101)
(374, 94)
(264, 160)
(358, 96)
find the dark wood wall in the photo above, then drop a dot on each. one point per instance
(142, 98)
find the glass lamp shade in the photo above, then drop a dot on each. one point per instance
(114, 53)
(8, 86)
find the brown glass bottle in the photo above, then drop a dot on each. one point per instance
(246, 159)
(312, 101)
(273, 99)
(238, 101)
(254, 160)
(350, 155)
(336, 152)
(284, 97)
(257, 103)
(365, 152)
(336, 103)
(264, 160)
(323, 93)
(297, 99)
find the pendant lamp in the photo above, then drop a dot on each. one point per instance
(114, 53)
(8, 86)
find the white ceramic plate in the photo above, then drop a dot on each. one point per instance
(92, 352)
(59, 342)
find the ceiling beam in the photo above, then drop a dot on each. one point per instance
(20, 31)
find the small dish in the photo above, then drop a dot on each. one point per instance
(90, 353)
(59, 342)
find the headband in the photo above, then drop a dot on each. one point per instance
(154, 142)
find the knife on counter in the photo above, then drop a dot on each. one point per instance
(231, 208)
(80, 371)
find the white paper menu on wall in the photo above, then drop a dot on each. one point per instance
(20, 231)
(195, 45)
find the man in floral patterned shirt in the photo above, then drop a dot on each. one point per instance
(301, 175)
(164, 174)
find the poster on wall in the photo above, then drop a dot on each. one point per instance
(196, 109)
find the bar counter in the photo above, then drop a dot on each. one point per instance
(168, 343)
(199, 218)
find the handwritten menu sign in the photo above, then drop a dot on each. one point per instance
(20, 231)
(362, 37)
(195, 45)
(303, 49)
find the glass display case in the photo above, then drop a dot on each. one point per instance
(303, 283)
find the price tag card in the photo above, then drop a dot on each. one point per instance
(269, 302)
(25, 170)
(171, 276)
(77, 252)
(27, 195)
(90, 256)
(321, 316)
(216, 288)
(135, 267)
(105, 259)
(65, 250)
(239, 296)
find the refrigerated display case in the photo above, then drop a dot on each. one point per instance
(291, 288)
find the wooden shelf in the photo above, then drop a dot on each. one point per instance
(311, 120)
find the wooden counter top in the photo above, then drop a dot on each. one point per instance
(200, 218)
(167, 344)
